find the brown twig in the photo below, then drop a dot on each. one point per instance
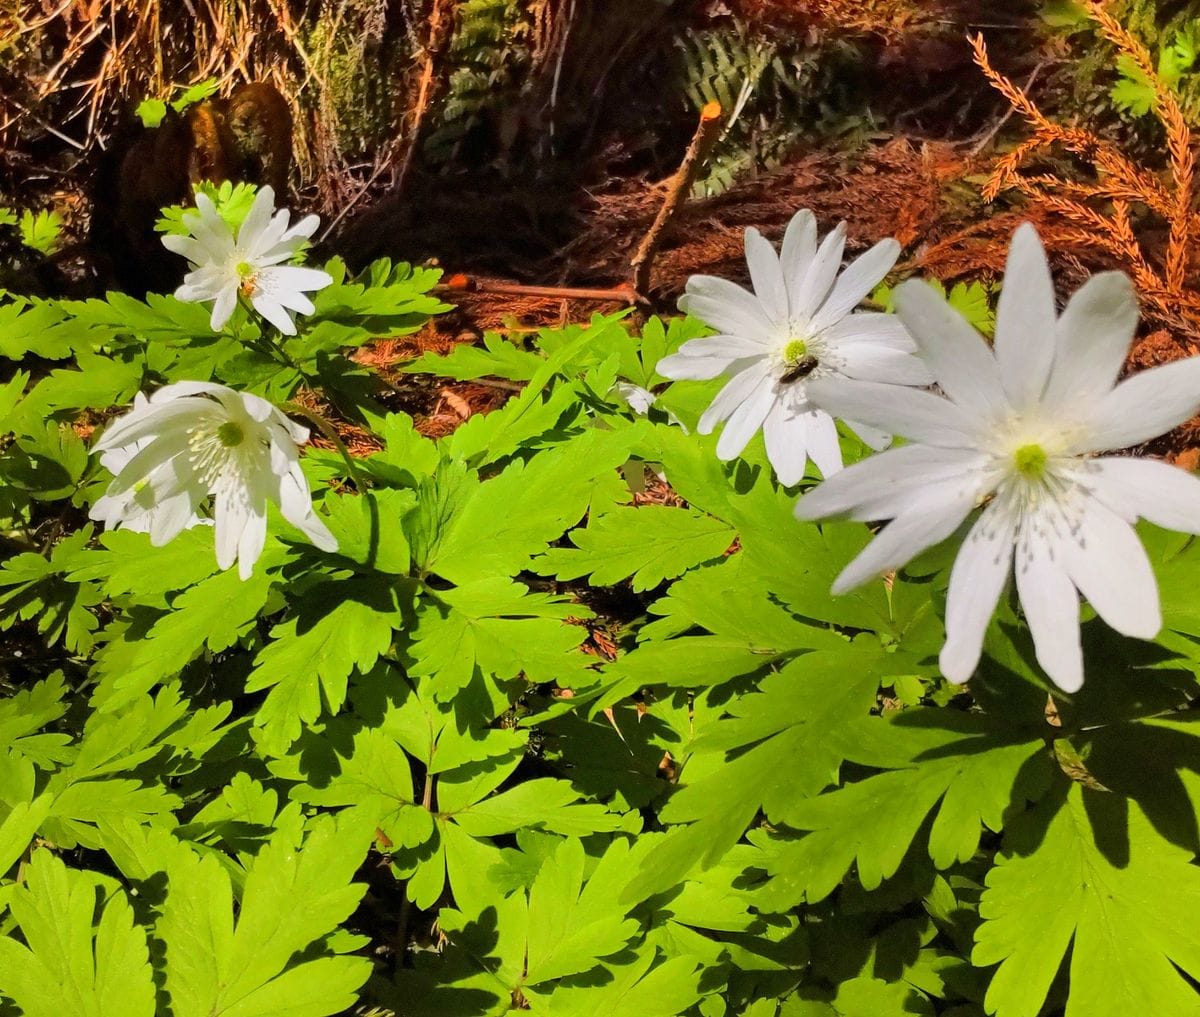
(1097, 214)
(677, 188)
(463, 283)
(441, 23)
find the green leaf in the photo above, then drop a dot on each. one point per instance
(193, 94)
(151, 112)
(501, 629)
(977, 772)
(264, 965)
(650, 543)
(1133, 92)
(495, 528)
(41, 327)
(639, 987)
(214, 613)
(41, 231)
(800, 723)
(341, 627)
(129, 563)
(64, 968)
(27, 712)
(1086, 870)
(368, 528)
(570, 927)
(499, 358)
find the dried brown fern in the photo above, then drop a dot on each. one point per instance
(1099, 214)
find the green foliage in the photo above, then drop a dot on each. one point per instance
(1133, 92)
(232, 201)
(775, 91)
(531, 742)
(152, 111)
(1065, 880)
(41, 231)
(973, 300)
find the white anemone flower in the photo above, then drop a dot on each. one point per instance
(250, 262)
(192, 440)
(797, 327)
(138, 508)
(1017, 432)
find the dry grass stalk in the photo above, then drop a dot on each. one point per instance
(1099, 215)
(677, 188)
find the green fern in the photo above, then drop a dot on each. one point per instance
(775, 93)
(488, 52)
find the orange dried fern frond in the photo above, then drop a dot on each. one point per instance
(1097, 214)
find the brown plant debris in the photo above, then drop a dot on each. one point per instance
(1104, 215)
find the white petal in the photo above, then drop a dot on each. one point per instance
(785, 433)
(821, 274)
(872, 437)
(250, 545)
(274, 312)
(1165, 495)
(1108, 564)
(823, 446)
(976, 581)
(170, 517)
(725, 306)
(956, 354)
(295, 278)
(920, 416)
(1091, 341)
(884, 364)
(799, 247)
(893, 482)
(187, 247)
(1146, 405)
(137, 424)
(701, 359)
(183, 389)
(634, 396)
(233, 514)
(739, 388)
(929, 521)
(267, 247)
(743, 423)
(1051, 609)
(257, 218)
(871, 327)
(153, 455)
(295, 503)
(301, 230)
(223, 308)
(766, 275)
(860, 277)
(1025, 320)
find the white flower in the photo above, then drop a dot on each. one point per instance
(795, 328)
(137, 507)
(641, 399)
(193, 439)
(1016, 433)
(250, 263)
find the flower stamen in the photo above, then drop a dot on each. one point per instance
(1030, 461)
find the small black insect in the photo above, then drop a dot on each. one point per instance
(802, 370)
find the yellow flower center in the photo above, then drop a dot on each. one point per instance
(1030, 461)
(230, 434)
(795, 351)
(249, 284)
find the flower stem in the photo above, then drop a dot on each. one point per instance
(328, 431)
